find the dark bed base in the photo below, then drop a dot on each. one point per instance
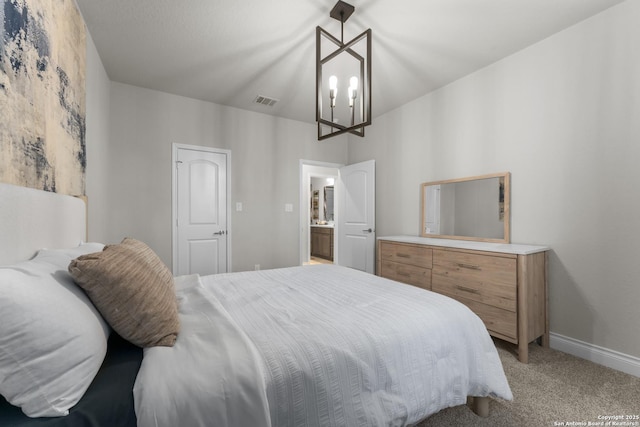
(108, 401)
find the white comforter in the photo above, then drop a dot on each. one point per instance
(314, 346)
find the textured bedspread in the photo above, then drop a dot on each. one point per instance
(334, 347)
(212, 376)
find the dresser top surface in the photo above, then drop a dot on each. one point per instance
(509, 248)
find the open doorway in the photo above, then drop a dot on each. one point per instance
(354, 223)
(318, 216)
(322, 223)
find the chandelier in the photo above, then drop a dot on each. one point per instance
(343, 79)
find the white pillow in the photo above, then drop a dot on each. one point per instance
(52, 339)
(63, 257)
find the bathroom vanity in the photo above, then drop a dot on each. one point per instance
(322, 241)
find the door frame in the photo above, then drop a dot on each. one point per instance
(174, 198)
(305, 214)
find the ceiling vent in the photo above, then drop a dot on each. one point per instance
(263, 100)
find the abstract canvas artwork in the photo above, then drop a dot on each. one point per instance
(42, 95)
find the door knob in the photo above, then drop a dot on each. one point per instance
(368, 230)
(219, 233)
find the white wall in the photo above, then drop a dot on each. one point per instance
(129, 135)
(266, 156)
(142, 125)
(477, 209)
(97, 133)
(564, 117)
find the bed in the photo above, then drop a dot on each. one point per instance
(300, 346)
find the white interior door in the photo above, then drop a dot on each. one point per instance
(200, 208)
(356, 216)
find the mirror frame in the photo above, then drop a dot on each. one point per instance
(507, 207)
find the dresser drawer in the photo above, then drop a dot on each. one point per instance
(487, 279)
(500, 323)
(405, 273)
(417, 255)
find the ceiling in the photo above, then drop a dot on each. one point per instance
(230, 51)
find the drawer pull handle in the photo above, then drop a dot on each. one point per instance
(403, 255)
(469, 266)
(471, 290)
(400, 273)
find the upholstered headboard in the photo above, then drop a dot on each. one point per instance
(33, 219)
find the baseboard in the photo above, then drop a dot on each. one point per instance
(600, 355)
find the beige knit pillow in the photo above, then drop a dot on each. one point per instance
(133, 290)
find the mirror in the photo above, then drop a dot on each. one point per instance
(474, 208)
(315, 204)
(328, 203)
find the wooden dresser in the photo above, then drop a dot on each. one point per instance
(504, 284)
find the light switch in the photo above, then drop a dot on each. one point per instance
(238, 206)
(288, 207)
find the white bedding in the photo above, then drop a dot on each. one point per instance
(314, 346)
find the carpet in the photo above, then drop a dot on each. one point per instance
(554, 389)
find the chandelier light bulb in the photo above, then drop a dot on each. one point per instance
(333, 82)
(353, 83)
(333, 85)
(353, 90)
(333, 90)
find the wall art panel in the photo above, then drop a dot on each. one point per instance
(42, 95)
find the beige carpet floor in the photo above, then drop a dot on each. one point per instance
(554, 389)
